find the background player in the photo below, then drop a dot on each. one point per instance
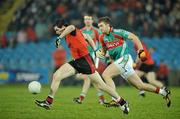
(146, 70)
(90, 30)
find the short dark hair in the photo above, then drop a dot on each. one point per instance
(105, 19)
(60, 22)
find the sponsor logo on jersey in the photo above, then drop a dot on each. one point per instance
(114, 44)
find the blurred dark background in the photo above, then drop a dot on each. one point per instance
(27, 50)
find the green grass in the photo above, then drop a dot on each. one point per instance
(17, 103)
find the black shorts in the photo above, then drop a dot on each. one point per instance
(147, 68)
(84, 65)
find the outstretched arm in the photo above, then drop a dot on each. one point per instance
(63, 33)
(90, 41)
(140, 50)
(136, 41)
(67, 31)
(128, 35)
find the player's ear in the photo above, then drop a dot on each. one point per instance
(53, 29)
(111, 28)
(109, 25)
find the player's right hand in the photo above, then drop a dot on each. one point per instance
(142, 55)
(99, 54)
(58, 42)
(134, 65)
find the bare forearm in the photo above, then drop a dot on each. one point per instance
(141, 53)
(67, 30)
(90, 41)
(136, 41)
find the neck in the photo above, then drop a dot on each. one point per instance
(88, 27)
(108, 30)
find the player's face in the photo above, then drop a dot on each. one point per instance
(88, 21)
(59, 30)
(103, 27)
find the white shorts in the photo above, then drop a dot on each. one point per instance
(125, 65)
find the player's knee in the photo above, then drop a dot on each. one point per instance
(140, 86)
(56, 77)
(150, 81)
(77, 76)
(81, 76)
(105, 76)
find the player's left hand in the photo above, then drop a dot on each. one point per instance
(58, 42)
(99, 54)
(142, 55)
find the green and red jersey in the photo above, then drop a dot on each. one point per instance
(115, 43)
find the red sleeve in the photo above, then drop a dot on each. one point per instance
(101, 39)
(73, 33)
(96, 35)
(82, 29)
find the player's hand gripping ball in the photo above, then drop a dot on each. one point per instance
(142, 55)
(99, 54)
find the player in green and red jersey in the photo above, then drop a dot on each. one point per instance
(114, 41)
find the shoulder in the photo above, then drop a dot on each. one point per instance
(94, 28)
(82, 29)
(73, 33)
(120, 31)
(101, 37)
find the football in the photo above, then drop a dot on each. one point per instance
(34, 87)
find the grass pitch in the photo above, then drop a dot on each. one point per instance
(17, 103)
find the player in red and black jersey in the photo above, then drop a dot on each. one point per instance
(146, 70)
(82, 63)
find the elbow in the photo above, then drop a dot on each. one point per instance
(135, 37)
(72, 27)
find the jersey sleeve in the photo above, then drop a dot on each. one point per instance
(96, 35)
(82, 29)
(101, 39)
(73, 33)
(122, 33)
